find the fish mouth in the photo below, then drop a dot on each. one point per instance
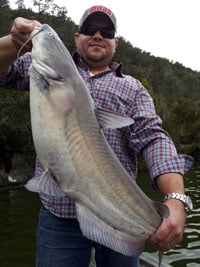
(36, 30)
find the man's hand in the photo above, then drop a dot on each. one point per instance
(20, 32)
(170, 232)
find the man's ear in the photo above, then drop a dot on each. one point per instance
(116, 42)
(76, 37)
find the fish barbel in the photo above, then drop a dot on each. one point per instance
(70, 145)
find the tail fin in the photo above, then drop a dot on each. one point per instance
(162, 209)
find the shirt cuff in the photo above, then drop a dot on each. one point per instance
(178, 164)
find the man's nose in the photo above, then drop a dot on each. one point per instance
(98, 35)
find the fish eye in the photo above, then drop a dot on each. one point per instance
(50, 33)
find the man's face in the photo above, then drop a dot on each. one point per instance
(96, 48)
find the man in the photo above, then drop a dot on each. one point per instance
(59, 239)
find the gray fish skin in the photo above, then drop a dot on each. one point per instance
(71, 147)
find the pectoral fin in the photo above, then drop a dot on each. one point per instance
(112, 120)
(44, 183)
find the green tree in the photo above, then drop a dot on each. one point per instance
(43, 5)
(20, 4)
(184, 125)
(4, 3)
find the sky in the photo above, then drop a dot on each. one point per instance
(163, 28)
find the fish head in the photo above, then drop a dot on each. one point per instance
(52, 72)
(50, 57)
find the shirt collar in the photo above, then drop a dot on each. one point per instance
(114, 66)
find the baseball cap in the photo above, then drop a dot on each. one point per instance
(99, 10)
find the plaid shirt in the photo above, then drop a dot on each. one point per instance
(125, 95)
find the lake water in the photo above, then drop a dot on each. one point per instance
(19, 214)
(187, 253)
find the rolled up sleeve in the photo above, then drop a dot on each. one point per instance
(154, 143)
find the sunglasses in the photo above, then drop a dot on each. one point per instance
(92, 29)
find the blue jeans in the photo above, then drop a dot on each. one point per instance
(60, 243)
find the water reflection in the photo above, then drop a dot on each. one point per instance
(18, 220)
(187, 254)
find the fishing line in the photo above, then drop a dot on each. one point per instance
(28, 40)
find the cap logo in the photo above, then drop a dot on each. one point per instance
(103, 9)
